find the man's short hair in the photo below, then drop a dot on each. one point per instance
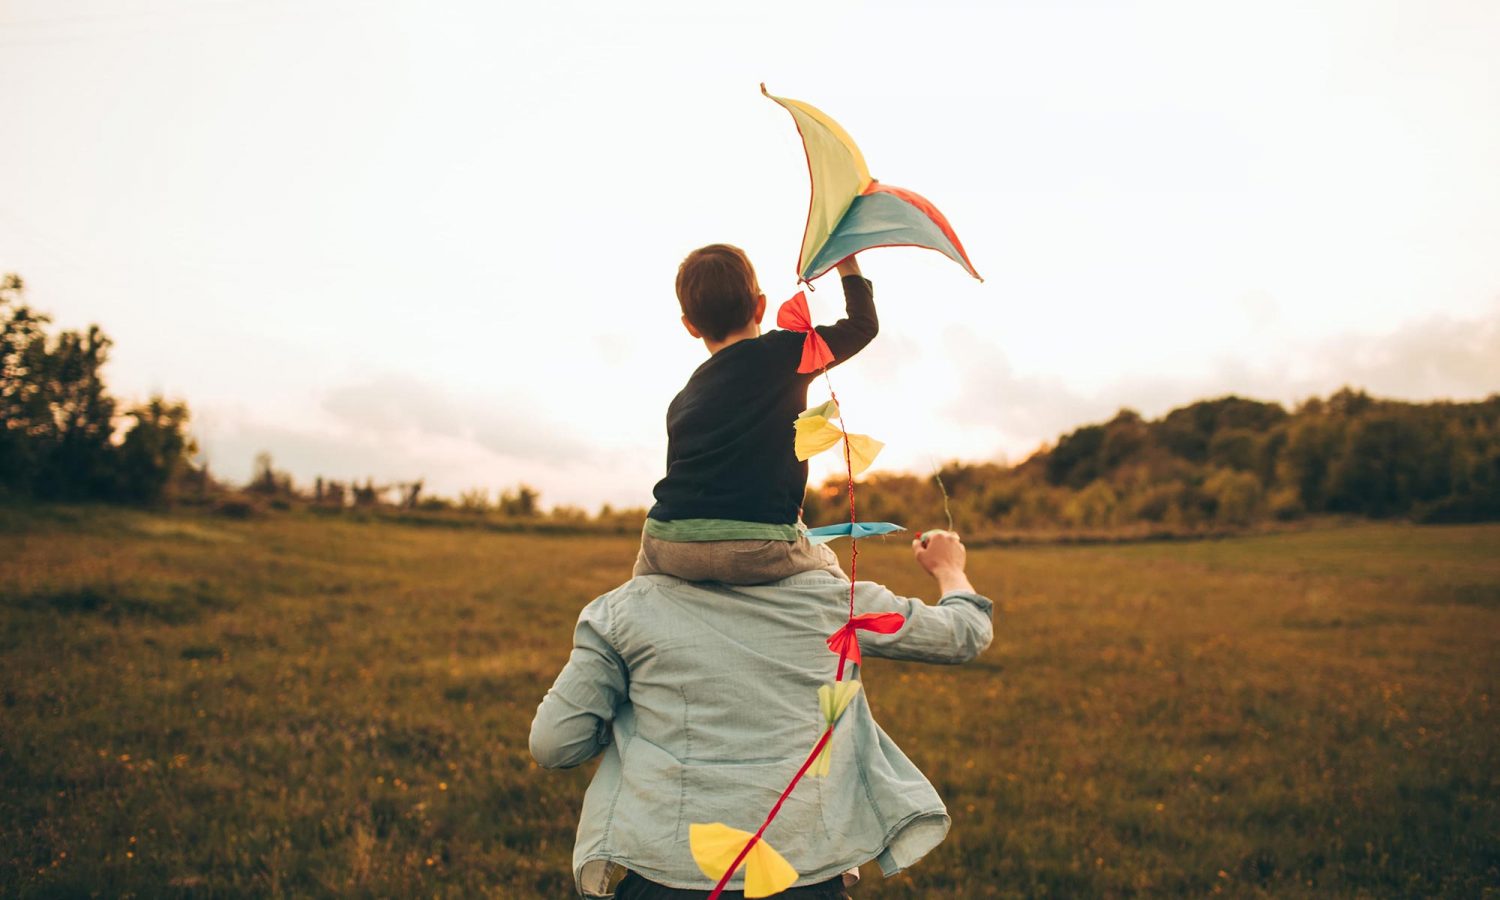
(717, 289)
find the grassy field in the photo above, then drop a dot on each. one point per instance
(291, 706)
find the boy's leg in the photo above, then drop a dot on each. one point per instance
(734, 562)
(827, 559)
(760, 562)
(644, 562)
(688, 560)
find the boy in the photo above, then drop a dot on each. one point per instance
(729, 507)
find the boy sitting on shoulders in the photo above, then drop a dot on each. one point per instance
(729, 507)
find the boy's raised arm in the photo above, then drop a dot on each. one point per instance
(572, 723)
(859, 326)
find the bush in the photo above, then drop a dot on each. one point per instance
(1285, 504)
(1159, 503)
(1092, 507)
(237, 507)
(1235, 496)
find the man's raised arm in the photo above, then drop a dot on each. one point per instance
(956, 630)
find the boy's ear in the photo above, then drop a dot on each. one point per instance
(760, 308)
(690, 329)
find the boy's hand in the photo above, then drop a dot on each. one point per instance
(944, 558)
(850, 266)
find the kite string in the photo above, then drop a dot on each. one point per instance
(937, 475)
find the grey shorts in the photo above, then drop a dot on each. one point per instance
(734, 562)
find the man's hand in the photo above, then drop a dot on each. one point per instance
(850, 266)
(944, 558)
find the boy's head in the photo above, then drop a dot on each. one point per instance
(719, 294)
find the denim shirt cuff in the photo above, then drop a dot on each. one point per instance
(984, 604)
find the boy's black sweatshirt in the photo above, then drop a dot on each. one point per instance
(729, 432)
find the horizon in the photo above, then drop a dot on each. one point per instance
(837, 477)
(382, 241)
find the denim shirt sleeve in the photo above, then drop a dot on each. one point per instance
(954, 631)
(572, 724)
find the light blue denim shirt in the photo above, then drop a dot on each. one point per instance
(703, 700)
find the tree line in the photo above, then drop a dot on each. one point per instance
(1224, 463)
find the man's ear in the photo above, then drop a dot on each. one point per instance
(760, 308)
(690, 329)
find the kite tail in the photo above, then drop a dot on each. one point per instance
(843, 657)
(853, 541)
(750, 844)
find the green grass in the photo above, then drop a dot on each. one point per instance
(294, 706)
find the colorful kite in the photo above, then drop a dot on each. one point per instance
(849, 210)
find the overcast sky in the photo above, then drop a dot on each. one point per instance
(404, 239)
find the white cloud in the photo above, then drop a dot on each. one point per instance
(393, 429)
(507, 427)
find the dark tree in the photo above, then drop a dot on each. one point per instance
(58, 418)
(155, 451)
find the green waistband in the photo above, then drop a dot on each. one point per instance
(690, 530)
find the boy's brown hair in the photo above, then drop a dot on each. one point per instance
(717, 288)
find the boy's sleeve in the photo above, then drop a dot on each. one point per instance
(572, 723)
(859, 326)
(956, 630)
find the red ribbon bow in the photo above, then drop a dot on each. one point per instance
(794, 316)
(845, 642)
